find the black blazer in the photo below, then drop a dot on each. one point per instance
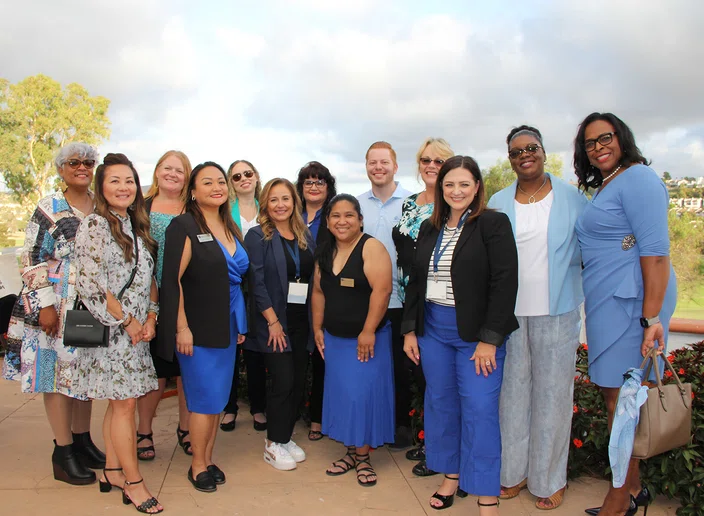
(206, 289)
(268, 287)
(484, 274)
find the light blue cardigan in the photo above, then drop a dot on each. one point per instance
(235, 210)
(564, 256)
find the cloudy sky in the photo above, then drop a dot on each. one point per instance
(284, 82)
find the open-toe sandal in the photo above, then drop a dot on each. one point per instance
(142, 451)
(551, 502)
(105, 486)
(343, 465)
(145, 505)
(364, 471)
(315, 435)
(186, 445)
(446, 501)
(512, 492)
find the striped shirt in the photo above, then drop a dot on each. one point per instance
(449, 239)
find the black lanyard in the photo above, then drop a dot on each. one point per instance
(440, 251)
(295, 254)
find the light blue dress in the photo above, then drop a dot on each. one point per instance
(625, 222)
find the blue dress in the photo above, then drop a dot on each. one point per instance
(625, 222)
(207, 374)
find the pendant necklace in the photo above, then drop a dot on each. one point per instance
(531, 198)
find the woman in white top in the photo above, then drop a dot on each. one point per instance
(536, 394)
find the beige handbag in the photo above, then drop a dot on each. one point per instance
(666, 417)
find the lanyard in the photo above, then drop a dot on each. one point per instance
(440, 251)
(295, 254)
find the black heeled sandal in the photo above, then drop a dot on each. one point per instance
(181, 435)
(642, 500)
(145, 449)
(145, 505)
(448, 500)
(106, 487)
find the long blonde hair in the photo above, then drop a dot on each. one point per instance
(298, 227)
(231, 186)
(187, 169)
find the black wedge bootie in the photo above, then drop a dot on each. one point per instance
(87, 452)
(67, 467)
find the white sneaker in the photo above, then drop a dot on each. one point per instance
(295, 451)
(278, 456)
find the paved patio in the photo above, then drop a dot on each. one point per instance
(253, 487)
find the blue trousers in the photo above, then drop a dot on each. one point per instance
(462, 433)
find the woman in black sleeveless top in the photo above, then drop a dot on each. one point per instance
(350, 295)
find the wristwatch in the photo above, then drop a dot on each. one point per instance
(647, 323)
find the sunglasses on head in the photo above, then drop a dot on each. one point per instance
(603, 139)
(237, 177)
(75, 163)
(531, 148)
(427, 161)
(309, 183)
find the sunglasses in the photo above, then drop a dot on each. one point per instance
(603, 139)
(531, 148)
(236, 178)
(428, 161)
(309, 183)
(75, 163)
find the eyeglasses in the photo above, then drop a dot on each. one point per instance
(75, 163)
(237, 177)
(310, 183)
(428, 161)
(531, 148)
(603, 139)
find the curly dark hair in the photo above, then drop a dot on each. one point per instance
(317, 170)
(588, 175)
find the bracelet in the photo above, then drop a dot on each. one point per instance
(182, 329)
(273, 323)
(127, 321)
(152, 315)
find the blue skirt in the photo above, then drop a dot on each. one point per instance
(207, 377)
(358, 400)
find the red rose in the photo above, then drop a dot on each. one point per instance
(671, 359)
(668, 374)
(578, 443)
(421, 435)
(681, 371)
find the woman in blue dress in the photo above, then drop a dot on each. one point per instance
(629, 284)
(203, 310)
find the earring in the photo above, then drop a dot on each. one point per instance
(193, 197)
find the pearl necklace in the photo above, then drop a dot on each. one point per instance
(531, 198)
(603, 181)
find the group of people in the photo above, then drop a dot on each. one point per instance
(476, 302)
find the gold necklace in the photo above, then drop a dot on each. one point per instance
(531, 198)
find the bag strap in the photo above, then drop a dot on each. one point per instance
(652, 358)
(136, 262)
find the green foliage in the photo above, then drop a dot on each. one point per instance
(666, 176)
(500, 175)
(37, 117)
(686, 248)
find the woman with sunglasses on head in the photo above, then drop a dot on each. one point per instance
(205, 316)
(164, 201)
(36, 354)
(115, 280)
(416, 209)
(536, 394)
(245, 186)
(281, 251)
(629, 283)
(458, 315)
(315, 187)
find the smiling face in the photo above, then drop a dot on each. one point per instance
(279, 205)
(119, 188)
(381, 167)
(245, 185)
(170, 175)
(344, 222)
(314, 193)
(604, 157)
(459, 189)
(210, 188)
(429, 170)
(80, 177)
(529, 165)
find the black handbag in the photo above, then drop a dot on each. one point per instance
(82, 329)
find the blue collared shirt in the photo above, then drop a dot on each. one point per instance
(314, 224)
(379, 221)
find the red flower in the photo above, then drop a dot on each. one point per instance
(575, 409)
(681, 371)
(692, 395)
(671, 359)
(577, 443)
(576, 377)
(668, 374)
(586, 380)
(585, 346)
(412, 412)
(421, 435)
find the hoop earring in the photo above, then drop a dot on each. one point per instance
(193, 197)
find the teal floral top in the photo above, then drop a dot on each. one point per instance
(159, 222)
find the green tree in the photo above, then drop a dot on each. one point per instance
(500, 175)
(554, 164)
(37, 117)
(666, 176)
(686, 248)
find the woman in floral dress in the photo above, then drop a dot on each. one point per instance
(106, 254)
(36, 353)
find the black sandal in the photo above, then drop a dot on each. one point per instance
(144, 506)
(447, 500)
(342, 464)
(181, 435)
(362, 472)
(106, 487)
(421, 470)
(145, 449)
(315, 435)
(488, 504)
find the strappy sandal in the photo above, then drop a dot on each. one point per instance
(144, 506)
(143, 450)
(342, 464)
(181, 435)
(315, 435)
(512, 492)
(554, 501)
(106, 487)
(362, 473)
(447, 500)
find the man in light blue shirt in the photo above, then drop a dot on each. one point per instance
(381, 209)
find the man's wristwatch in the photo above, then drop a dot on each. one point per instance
(647, 323)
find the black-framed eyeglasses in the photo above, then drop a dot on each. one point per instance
(236, 178)
(531, 148)
(75, 163)
(427, 161)
(310, 183)
(603, 139)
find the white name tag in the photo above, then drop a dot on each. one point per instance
(297, 293)
(205, 237)
(436, 290)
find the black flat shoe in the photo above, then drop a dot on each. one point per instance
(633, 507)
(217, 474)
(417, 453)
(421, 470)
(87, 452)
(229, 427)
(204, 481)
(259, 427)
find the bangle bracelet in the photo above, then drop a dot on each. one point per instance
(182, 329)
(127, 321)
(273, 323)
(151, 315)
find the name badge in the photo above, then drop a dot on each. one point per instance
(436, 290)
(205, 237)
(297, 293)
(347, 282)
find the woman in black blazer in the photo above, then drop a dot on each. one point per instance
(459, 311)
(203, 309)
(281, 253)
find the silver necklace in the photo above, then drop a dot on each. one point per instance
(603, 181)
(531, 198)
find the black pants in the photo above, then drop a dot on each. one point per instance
(317, 387)
(402, 370)
(256, 382)
(287, 372)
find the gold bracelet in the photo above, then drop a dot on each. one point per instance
(273, 323)
(182, 329)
